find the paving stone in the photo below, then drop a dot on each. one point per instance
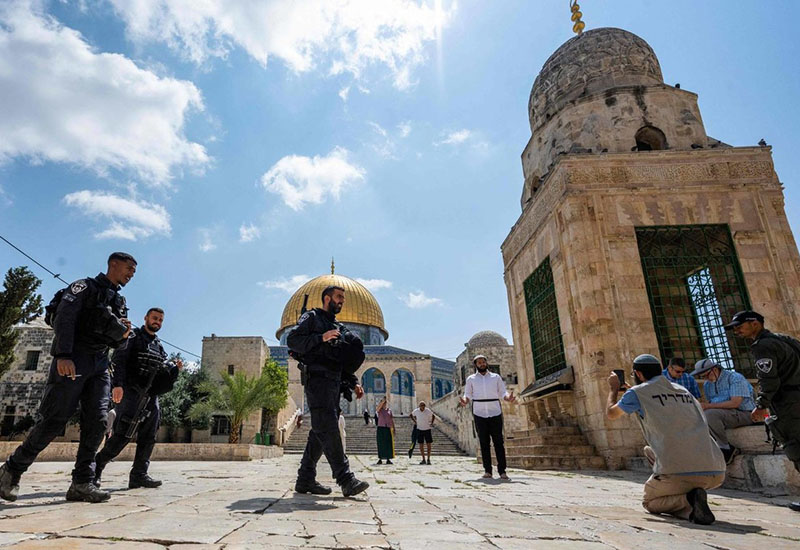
(252, 505)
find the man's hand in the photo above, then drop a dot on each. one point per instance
(462, 401)
(759, 415)
(66, 367)
(511, 398)
(706, 406)
(116, 394)
(330, 335)
(613, 382)
(127, 323)
(359, 391)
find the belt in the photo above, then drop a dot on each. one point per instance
(330, 375)
(485, 400)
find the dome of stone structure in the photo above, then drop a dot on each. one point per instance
(597, 60)
(487, 338)
(360, 306)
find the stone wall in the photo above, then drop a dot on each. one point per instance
(584, 219)
(20, 388)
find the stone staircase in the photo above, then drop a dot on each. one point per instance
(552, 448)
(361, 438)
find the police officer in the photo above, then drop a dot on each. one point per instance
(90, 318)
(129, 382)
(331, 355)
(777, 359)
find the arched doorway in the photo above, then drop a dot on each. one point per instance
(374, 383)
(402, 396)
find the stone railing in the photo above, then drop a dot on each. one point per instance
(552, 409)
(289, 425)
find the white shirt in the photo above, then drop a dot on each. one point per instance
(424, 418)
(485, 386)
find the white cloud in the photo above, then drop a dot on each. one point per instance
(127, 219)
(418, 300)
(375, 284)
(62, 101)
(346, 36)
(344, 92)
(405, 129)
(310, 180)
(455, 138)
(289, 285)
(207, 243)
(248, 233)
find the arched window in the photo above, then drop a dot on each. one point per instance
(650, 138)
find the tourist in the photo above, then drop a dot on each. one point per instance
(777, 358)
(423, 420)
(131, 374)
(485, 389)
(89, 318)
(366, 417)
(385, 432)
(331, 354)
(686, 460)
(676, 373)
(729, 401)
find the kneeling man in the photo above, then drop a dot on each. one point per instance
(686, 460)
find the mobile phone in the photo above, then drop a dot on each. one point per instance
(621, 375)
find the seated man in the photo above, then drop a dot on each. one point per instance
(686, 461)
(676, 373)
(729, 400)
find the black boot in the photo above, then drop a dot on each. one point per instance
(701, 513)
(795, 506)
(98, 473)
(86, 492)
(313, 487)
(143, 480)
(9, 483)
(353, 487)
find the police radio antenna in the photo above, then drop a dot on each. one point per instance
(58, 276)
(305, 305)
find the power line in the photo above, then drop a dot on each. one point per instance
(58, 276)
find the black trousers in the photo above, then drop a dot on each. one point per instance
(487, 428)
(322, 395)
(61, 398)
(145, 436)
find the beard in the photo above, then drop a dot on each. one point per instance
(334, 308)
(483, 370)
(153, 328)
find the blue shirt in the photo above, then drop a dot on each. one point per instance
(685, 380)
(730, 384)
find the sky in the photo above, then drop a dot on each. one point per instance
(235, 147)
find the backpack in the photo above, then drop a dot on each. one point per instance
(51, 309)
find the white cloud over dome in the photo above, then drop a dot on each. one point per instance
(62, 101)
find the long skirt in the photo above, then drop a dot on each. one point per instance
(385, 443)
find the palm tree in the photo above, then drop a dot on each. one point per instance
(237, 397)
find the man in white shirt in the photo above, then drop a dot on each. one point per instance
(423, 418)
(485, 389)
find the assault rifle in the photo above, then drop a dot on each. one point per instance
(151, 363)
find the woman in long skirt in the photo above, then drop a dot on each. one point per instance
(385, 432)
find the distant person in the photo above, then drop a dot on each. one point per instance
(686, 460)
(729, 402)
(423, 420)
(413, 436)
(385, 432)
(676, 373)
(485, 389)
(366, 417)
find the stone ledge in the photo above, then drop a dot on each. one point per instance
(750, 439)
(65, 452)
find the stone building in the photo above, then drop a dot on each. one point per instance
(639, 233)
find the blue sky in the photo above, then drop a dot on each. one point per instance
(234, 148)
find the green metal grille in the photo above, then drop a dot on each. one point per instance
(546, 342)
(695, 284)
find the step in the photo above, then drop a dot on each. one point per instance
(550, 450)
(557, 462)
(547, 430)
(546, 440)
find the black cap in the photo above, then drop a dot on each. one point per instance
(743, 317)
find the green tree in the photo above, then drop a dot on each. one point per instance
(175, 404)
(237, 397)
(278, 393)
(19, 303)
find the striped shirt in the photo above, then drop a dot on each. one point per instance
(730, 384)
(685, 380)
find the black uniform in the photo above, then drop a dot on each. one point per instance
(778, 361)
(132, 379)
(86, 325)
(330, 367)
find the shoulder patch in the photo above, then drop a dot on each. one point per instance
(78, 286)
(764, 365)
(69, 297)
(303, 317)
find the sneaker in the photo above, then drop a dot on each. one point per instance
(701, 513)
(731, 453)
(422, 461)
(86, 492)
(379, 462)
(353, 487)
(504, 476)
(389, 461)
(429, 462)
(487, 475)
(314, 487)
(650, 455)
(9, 483)
(134, 482)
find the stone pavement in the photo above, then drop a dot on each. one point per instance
(243, 505)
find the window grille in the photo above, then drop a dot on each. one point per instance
(32, 360)
(220, 425)
(694, 284)
(547, 344)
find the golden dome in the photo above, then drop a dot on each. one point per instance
(360, 306)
